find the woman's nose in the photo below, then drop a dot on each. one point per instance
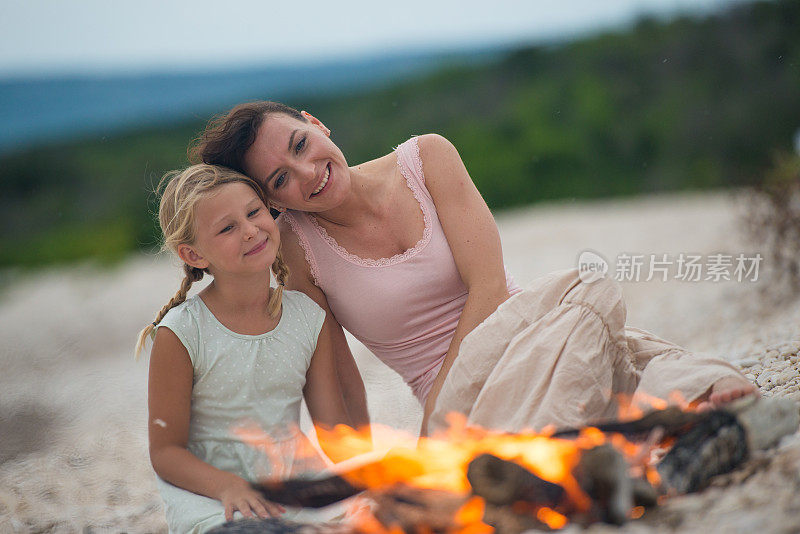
(307, 169)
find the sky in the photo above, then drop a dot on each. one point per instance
(97, 36)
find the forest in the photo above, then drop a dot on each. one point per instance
(685, 104)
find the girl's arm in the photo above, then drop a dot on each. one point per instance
(345, 369)
(169, 403)
(474, 241)
(323, 392)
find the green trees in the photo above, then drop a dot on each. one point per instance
(691, 103)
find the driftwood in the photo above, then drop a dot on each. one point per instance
(724, 439)
(602, 473)
(276, 525)
(308, 493)
(708, 444)
(501, 482)
(672, 420)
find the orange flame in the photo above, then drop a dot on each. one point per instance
(441, 462)
(379, 458)
(469, 517)
(551, 518)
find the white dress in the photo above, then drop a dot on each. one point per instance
(243, 380)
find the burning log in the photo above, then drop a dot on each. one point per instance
(603, 474)
(308, 493)
(704, 445)
(723, 439)
(276, 525)
(500, 482)
(672, 420)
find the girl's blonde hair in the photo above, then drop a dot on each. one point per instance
(182, 190)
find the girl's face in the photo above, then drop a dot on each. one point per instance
(235, 233)
(298, 165)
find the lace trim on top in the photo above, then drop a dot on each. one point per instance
(301, 236)
(418, 195)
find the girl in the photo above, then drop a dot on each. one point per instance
(406, 254)
(238, 353)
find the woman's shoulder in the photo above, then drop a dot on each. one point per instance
(441, 164)
(433, 146)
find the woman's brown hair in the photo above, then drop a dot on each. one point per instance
(227, 137)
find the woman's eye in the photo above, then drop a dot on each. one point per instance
(252, 213)
(279, 181)
(300, 145)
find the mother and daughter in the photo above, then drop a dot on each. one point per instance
(401, 251)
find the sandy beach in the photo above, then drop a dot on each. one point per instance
(73, 444)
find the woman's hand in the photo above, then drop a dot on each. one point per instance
(323, 392)
(240, 495)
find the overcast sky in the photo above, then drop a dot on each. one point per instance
(56, 36)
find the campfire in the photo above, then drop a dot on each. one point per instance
(470, 480)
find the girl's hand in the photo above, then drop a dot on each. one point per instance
(241, 496)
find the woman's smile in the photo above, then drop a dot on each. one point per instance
(323, 184)
(298, 165)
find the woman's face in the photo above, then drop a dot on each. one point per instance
(298, 165)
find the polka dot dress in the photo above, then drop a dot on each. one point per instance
(242, 381)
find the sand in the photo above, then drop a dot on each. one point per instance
(73, 450)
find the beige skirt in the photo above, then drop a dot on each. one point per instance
(558, 353)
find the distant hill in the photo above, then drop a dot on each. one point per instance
(686, 104)
(36, 110)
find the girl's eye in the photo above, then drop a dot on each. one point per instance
(252, 213)
(279, 181)
(226, 229)
(300, 145)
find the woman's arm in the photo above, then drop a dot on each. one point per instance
(323, 392)
(169, 404)
(345, 368)
(474, 241)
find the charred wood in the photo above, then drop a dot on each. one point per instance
(502, 482)
(672, 420)
(711, 448)
(602, 473)
(308, 493)
(724, 439)
(276, 525)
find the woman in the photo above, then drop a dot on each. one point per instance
(405, 253)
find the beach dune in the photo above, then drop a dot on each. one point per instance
(73, 445)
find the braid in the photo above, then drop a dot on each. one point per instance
(192, 275)
(281, 271)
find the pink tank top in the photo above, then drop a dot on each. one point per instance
(404, 308)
